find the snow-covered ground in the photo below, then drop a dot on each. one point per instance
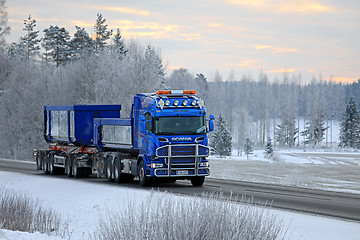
(81, 203)
(326, 169)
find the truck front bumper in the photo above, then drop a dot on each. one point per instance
(182, 160)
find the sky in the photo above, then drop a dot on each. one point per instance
(307, 38)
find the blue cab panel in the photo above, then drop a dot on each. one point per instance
(73, 124)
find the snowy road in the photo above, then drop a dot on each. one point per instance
(334, 204)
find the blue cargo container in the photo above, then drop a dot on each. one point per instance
(73, 124)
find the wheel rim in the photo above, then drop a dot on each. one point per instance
(142, 173)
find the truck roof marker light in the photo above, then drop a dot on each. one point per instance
(176, 92)
(189, 92)
(163, 92)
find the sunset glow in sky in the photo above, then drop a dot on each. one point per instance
(307, 37)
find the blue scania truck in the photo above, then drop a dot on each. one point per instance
(165, 139)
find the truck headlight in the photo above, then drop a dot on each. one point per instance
(204, 164)
(157, 165)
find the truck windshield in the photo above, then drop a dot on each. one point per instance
(179, 125)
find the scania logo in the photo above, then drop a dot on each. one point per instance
(181, 139)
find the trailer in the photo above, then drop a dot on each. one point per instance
(164, 139)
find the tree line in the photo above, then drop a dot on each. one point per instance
(64, 69)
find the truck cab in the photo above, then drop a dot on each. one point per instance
(170, 131)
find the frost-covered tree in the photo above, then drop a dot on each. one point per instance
(4, 29)
(315, 129)
(81, 44)
(269, 151)
(221, 140)
(248, 147)
(101, 32)
(286, 132)
(30, 41)
(118, 44)
(180, 79)
(56, 44)
(350, 126)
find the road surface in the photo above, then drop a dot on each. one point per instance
(332, 204)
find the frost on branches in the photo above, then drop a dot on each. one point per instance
(221, 138)
(350, 126)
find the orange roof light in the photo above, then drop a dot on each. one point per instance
(163, 92)
(190, 92)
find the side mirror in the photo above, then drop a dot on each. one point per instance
(142, 124)
(211, 123)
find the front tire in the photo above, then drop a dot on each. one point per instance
(143, 179)
(197, 181)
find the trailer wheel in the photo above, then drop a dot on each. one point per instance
(38, 160)
(198, 181)
(68, 166)
(143, 179)
(52, 170)
(108, 169)
(75, 169)
(45, 165)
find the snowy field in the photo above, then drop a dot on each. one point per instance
(317, 169)
(81, 204)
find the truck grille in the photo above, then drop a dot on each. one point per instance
(182, 156)
(182, 150)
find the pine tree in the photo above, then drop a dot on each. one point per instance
(315, 129)
(81, 44)
(221, 140)
(4, 29)
(56, 45)
(286, 132)
(102, 34)
(30, 41)
(248, 149)
(118, 45)
(269, 151)
(350, 126)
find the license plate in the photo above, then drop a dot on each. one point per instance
(183, 172)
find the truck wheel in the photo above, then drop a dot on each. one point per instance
(108, 169)
(45, 165)
(68, 166)
(198, 181)
(119, 177)
(38, 160)
(52, 170)
(75, 169)
(143, 179)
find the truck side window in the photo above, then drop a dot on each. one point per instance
(148, 121)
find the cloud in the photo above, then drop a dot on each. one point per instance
(275, 49)
(282, 70)
(285, 6)
(248, 62)
(132, 11)
(343, 79)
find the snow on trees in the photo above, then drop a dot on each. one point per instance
(56, 44)
(118, 44)
(315, 129)
(221, 140)
(269, 151)
(286, 132)
(4, 29)
(81, 44)
(248, 147)
(350, 126)
(101, 32)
